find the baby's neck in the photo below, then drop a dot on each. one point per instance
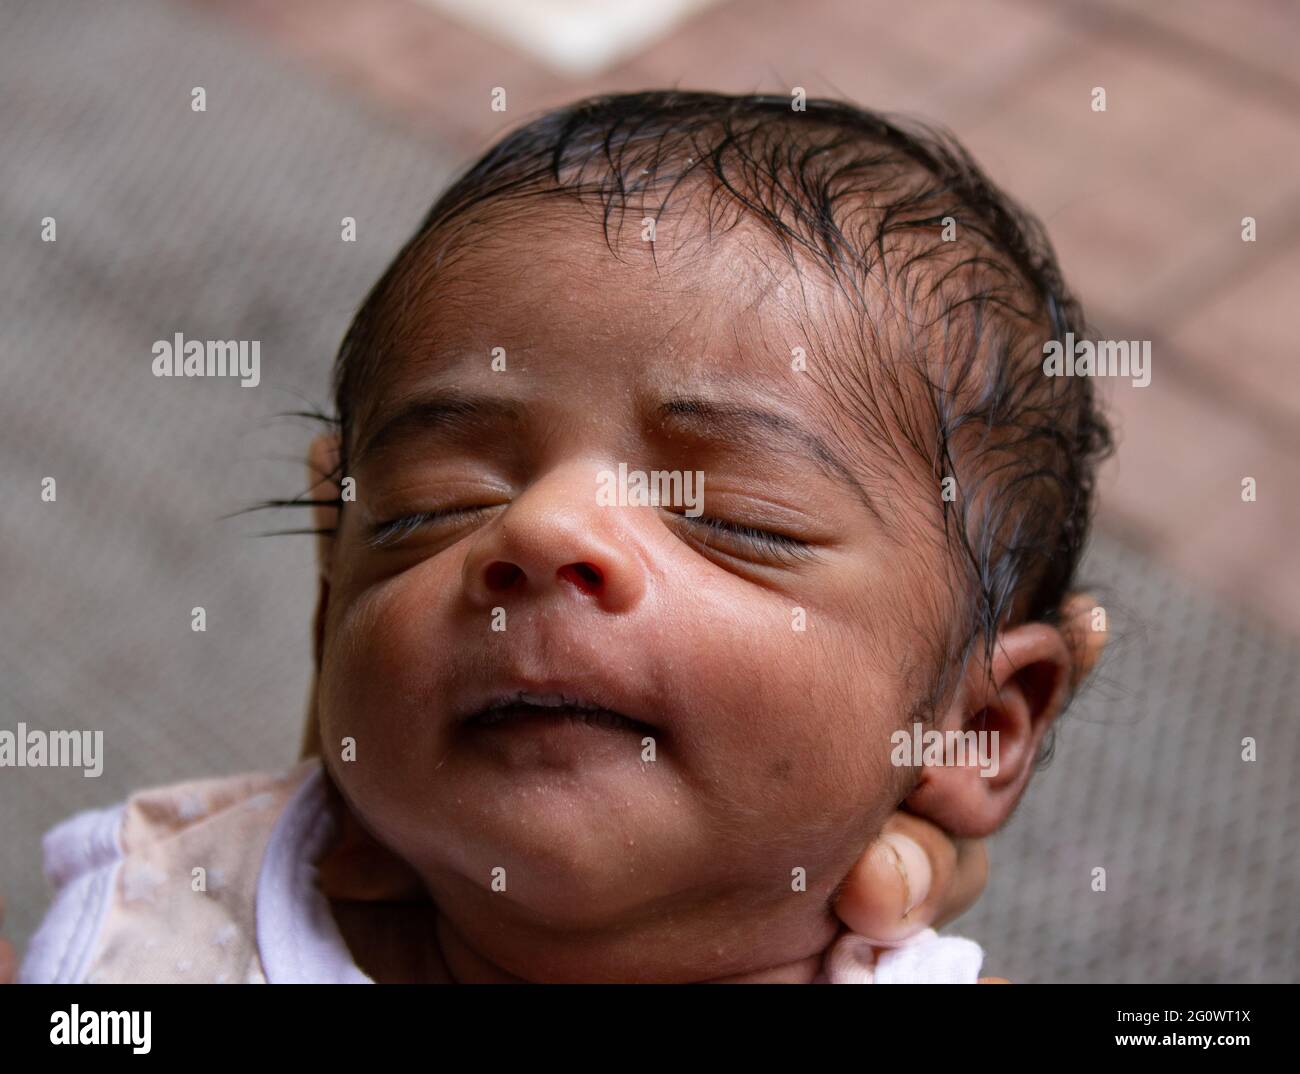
(397, 934)
(410, 943)
(465, 965)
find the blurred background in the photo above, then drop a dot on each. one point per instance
(226, 224)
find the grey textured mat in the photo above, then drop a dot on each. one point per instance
(226, 225)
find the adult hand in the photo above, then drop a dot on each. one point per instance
(915, 876)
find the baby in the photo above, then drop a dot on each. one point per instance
(693, 459)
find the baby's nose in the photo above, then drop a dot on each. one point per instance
(556, 539)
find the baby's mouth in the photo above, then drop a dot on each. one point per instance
(522, 708)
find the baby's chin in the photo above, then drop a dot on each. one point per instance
(633, 895)
(593, 847)
(565, 854)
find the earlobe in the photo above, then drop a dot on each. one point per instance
(988, 742)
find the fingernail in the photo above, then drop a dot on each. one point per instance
(914, 865)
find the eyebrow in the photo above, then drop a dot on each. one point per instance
(451, 412)
(447, 412)
(743, 426)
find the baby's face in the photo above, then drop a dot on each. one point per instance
(769, 671)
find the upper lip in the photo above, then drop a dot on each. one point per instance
(590, 697)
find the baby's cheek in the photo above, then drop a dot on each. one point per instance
(836, 703)
(791, 725)
(377, 677)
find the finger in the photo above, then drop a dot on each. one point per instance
(902, 882)
(1081, 628)
(993, 980)
(968, 881)
(913, 877)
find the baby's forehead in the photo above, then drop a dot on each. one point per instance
(636, 272)
(644, 277)
(554, 302)
(547, 308)
(707, 348)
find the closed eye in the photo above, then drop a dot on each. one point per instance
(712, 532)
(384, 534)
(718, 533)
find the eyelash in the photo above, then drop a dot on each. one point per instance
(777, 546)
(383, 534)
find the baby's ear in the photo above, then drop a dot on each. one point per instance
(1083, 623)
(1008, 705)
(322, 477)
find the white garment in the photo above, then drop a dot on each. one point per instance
(927, 958)
(126, 908)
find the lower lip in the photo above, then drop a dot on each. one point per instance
(565, 740)
(529, 719)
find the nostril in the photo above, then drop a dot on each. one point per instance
(501, 575)
(586, 576)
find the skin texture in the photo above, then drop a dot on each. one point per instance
(380, 904)
(772, 744)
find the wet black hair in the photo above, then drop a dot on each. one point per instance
(951, 291)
